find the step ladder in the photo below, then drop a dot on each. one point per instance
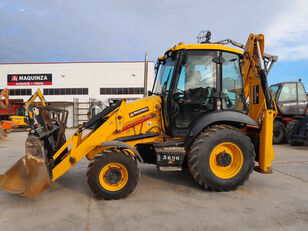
(80, 111)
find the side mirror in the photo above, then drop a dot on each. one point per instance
(150, 93)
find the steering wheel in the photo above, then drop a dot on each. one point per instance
(179, 94)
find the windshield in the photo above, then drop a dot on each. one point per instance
(274, 90)
(21, 112)
(164, 76)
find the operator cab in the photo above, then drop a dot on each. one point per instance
(194, 80)
(290, 98)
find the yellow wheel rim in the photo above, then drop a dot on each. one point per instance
(226, 160)
(113, 177)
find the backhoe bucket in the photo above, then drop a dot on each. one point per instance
(29, 176)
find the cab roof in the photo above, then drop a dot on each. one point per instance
(204, 46)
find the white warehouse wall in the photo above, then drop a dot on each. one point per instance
(91, 75)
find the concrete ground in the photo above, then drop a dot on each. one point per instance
(163, 200)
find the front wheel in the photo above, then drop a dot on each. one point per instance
(114, 174)
(221, 158)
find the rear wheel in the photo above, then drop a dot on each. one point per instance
(114, 174)
(221, 158)
(292, 130)
(278, 132)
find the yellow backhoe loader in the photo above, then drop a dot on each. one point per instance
(196, 116)
(5, 125)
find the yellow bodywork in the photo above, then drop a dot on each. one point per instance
(19, 120)
(203, 47)
(90, 145)
(258, 111)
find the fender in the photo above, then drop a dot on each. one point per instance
(221, 116)
(120, 144)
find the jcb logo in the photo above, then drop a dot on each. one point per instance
(14, 78)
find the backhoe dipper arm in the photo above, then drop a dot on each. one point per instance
(262, 108)
(27, 105)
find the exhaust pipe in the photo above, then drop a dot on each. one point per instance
(146, 68)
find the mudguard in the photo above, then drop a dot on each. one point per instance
(222, 117)
(120, 144)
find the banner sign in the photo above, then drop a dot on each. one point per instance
(29, 79)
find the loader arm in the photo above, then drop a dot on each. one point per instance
(118, 124)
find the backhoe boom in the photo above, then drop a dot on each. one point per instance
(262, 108)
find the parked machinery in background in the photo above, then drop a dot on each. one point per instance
(5, 125)
(96, 106)
(21, 117)
(12, 110)
(290, 124)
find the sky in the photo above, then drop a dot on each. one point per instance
(96, 30)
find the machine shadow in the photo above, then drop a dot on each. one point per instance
(73, 181)
(179, 178)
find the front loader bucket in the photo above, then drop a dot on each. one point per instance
(29, 176)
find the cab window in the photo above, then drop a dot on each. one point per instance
(232, 85)
(301, 93)
(288, 93)
(164, 76)
(274, 90)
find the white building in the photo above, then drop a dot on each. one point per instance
(66, 83)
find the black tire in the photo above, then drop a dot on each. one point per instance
(279, 132)
(200, 152)
(291, 130)
(107, 157)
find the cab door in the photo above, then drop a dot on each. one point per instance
(302, 99)
(287, 99)
(194, 87)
